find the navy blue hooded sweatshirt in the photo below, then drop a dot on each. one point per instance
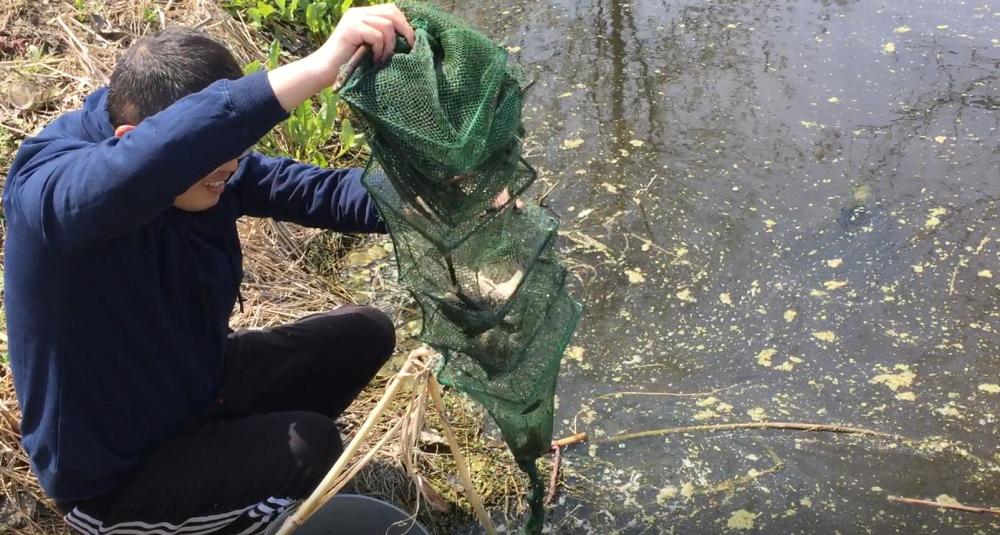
(117, 302)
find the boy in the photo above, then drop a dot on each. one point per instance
(141, 411)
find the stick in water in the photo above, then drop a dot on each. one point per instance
(939, 505)
(793, 426)
(568, 441)
(554, 479)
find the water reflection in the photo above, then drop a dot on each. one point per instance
(791, 205)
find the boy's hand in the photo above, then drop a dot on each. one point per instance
(374, 26)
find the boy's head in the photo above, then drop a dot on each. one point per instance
(157, 71)
(160, 69)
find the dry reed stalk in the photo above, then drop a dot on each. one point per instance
(327, 487)
(463, 467)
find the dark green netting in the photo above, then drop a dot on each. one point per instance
(410, 207)
(501, 343)
(444, 124)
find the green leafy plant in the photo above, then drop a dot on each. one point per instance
(150, 15)
(310, 134)
(35, 53)
(318, 16)
(82, 9)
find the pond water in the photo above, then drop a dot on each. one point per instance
(788, 209)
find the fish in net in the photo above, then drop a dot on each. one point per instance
(443, 119)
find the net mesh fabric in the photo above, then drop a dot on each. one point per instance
(443, 120)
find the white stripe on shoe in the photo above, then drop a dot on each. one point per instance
(79, 525)
(193, 526)
(257, 527)
(263, 512)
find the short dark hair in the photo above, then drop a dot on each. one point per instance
(162, 68)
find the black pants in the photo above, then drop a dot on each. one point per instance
(267, 443)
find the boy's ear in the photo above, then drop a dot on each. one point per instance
(123, 129)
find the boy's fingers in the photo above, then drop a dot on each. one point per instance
(403, 28)
(391, 12)
(384, 27)
(374, 38)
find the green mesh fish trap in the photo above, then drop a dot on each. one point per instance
(443, 120)
(448, 215)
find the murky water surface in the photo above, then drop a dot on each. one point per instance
(793, 206)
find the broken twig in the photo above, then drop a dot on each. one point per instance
(568, 441)
(616, 395)
(940, 505)
(794, 426)
(554, 479)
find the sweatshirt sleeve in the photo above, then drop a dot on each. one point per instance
(73, 191)
(286, 190)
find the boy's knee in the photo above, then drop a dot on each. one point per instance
(314, 442)
(375, 328)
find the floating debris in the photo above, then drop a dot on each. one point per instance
(764, 357)
(947, 500)
(610, 188)
(826, 336)
(666, 493)
(902, 377)
(949, 410)
(933, 219)
(789, 364)
(741, 520)
(635, 276)
(685, 295)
